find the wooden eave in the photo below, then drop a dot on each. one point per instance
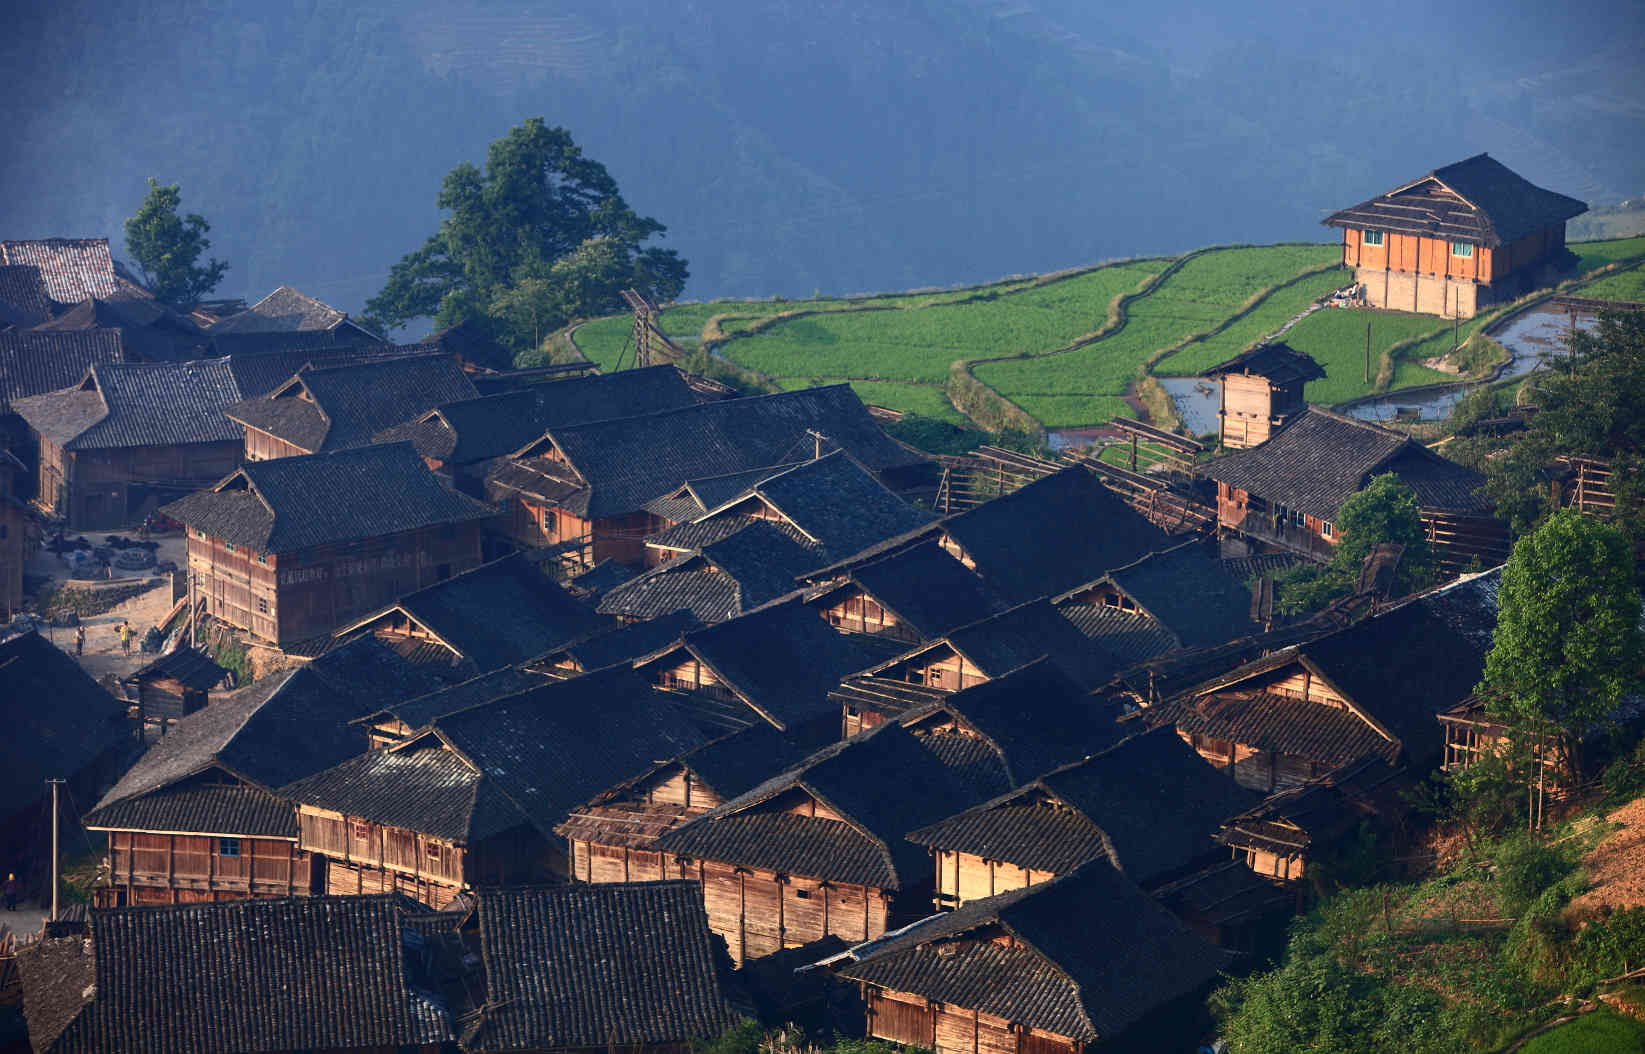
(385, 612)
(1282, 658)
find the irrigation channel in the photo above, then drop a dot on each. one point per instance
(1529, 338)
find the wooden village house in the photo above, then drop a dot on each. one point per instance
(1286, 493)
(287, 311)
(149, 331)
(1372, 690)
(1083, 960)
(587, 490)
(616, 645)
(177, 684)
(130, 437)
(472, 798)
(328, 408)
(912, 596)
(1261, 390)
(1184, 590)
(1302, 826)
(754, 564)
(1460, 238)
(292, 548)
(498, 614)
(323, 975)
(821, 848)
(648, 970)
(33, 362)
(14, 532)
(71, 269)
(198, 817)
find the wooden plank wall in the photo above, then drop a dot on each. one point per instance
(914, 1020)
(174, 864)
(963, 877)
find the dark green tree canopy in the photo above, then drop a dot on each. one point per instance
(1385, 511)
(1567, 644)
(1592, 404)
(166, 248)
(540, 237)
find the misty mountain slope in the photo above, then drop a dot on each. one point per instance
(794, 147)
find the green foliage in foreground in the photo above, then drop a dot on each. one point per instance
(1602, 1032)
(1385, 511)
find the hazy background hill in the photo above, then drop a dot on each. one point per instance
(791, 147)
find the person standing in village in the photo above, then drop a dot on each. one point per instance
(79, 641)
(11, 891)
(125, 636)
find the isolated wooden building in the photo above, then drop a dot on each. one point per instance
(173, 686)
(587, 488)
(473, 798)
(775, 665)
(292, 548)
(1149, 806)
(286, 311)
(1055, 968)
(324, 975)
(1261, 390)
(327, 408)
(14, 532)
(1372, 690)
(1286, 493)
(130, 437)
(650, 976)
(198, 817)
(822, 848)
(1460, 238)
(498, 614)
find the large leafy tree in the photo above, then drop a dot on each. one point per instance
(539, 237)
(1591, 403)
(166, 248)
(1384, 511)
(1567, 645)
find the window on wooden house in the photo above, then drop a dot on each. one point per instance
(262, 558)
(1373, 237)
(545, 517)
(1325, 529)
(362, 830)
(1297, 519)
(228, 847)
(229, 546)
(1462, 248)
(198, 533)
(262, 605)
(433, 850)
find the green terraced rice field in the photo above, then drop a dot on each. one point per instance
(1066, 389)
(1266, 318)
(1598, 254)
(923, 399)
(1624, 285)
(1336, 340)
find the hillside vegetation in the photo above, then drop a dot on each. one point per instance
(1067, 349)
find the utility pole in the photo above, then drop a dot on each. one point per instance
(1367, 353)
(54, 785)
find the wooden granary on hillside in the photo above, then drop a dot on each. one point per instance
(1261, 390)
(175, 685)
(1053, 968)
(1460, 238)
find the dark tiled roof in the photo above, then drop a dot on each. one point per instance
(752, 566)
(1488, 205)
(1150, 806)
(299, 973)
(260, 370)
(883, 781)
(692, 535)
(281, 728)
(33, 362)
(634, 460)
(338, 407)
(149, 330)
(72, 268)
(498, 614)
(737, 763)
(1223, 894)
(417, 787)
(1094, 954)
(496, 425)
(1052, 535)
(600, 579)
(418, 710)
(139, 404)
(196, 807)
(837, 504)
(627, 643)
(1319, 459)
(1290, 726)
(293, 503)
(597, 966)
(23, 299)
(1035, 717)
(183, 664)
(283, 311)
(1279, 362)
(1130, 636)
(1001, 643)
(782, 659)
(554, 747)
(924, 586)
(1187, 590)
(58, 719)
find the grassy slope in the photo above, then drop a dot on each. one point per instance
(900, 357)
(1602, 1032)
(1084, 386)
